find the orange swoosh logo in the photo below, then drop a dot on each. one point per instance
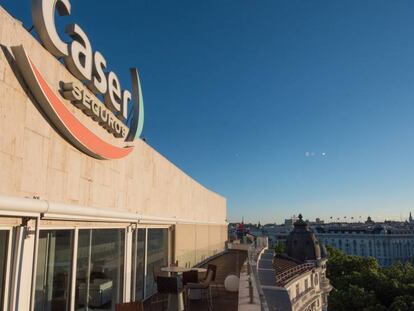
(80, 136)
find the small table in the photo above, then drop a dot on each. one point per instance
(199, 270)
(175, 270)
(175, 302)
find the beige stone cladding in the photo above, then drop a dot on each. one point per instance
(36, 161)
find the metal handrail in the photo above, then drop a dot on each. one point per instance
(254, 252)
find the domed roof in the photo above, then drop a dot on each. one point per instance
(301, 243)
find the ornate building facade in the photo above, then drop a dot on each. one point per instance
(388, 242)
(301, 272)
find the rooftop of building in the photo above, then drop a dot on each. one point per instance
(366, 228)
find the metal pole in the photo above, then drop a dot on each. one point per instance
(74, 268)
(145, 263)
(88, 277)
(134, 263)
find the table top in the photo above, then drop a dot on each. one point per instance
(199, 269)
(175, 269)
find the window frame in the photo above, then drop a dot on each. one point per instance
(5, 295)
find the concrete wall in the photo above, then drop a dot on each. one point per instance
(36, 161)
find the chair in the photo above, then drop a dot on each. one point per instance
(213, 268)
(155, 299)
(171, 286)
(130, 306)
(190, 276)
(204, 286)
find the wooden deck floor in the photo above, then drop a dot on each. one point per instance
(228, 263)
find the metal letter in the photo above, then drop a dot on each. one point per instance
(43, 15)
(79, 62)
(98, 83)
(126, 97)
(137, 114)
(113, 95)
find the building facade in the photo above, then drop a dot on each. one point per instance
(296, 279)
(83, 225)
(388, 242)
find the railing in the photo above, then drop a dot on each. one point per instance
(281, 278)
(251, 295)
(254, 252)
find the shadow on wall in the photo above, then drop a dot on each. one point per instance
(12, 63)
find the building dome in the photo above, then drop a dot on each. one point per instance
(301, 243)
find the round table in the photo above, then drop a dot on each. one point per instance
(175, 302)
(199, 270)
(175, 270)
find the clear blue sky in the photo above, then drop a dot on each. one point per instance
(245, 96)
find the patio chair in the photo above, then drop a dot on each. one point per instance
(171, 286)
(190, 276)
(213, 268)
(160, 297)
(204, 286)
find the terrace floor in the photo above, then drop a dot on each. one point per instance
(227, 263)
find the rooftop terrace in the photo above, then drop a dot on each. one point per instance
(227, 263)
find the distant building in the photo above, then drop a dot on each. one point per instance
(388, 242)
(301, 283)
(278, 233)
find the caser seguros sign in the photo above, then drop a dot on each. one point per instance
(120, 113)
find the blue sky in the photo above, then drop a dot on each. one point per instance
(280, 106)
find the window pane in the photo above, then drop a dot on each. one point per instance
(53, 272)
(100, 269)
(157, 256)
(140, 262)
(3, 253)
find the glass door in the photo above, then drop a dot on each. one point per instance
(157, 257)
(150, 254)
(53, 274)
(100, 269)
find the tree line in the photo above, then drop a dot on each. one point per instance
(361, 284)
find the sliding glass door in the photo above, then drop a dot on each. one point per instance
(4, 238)
(100, 269)
(157, 257)
(150, 253)
(53, 273)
